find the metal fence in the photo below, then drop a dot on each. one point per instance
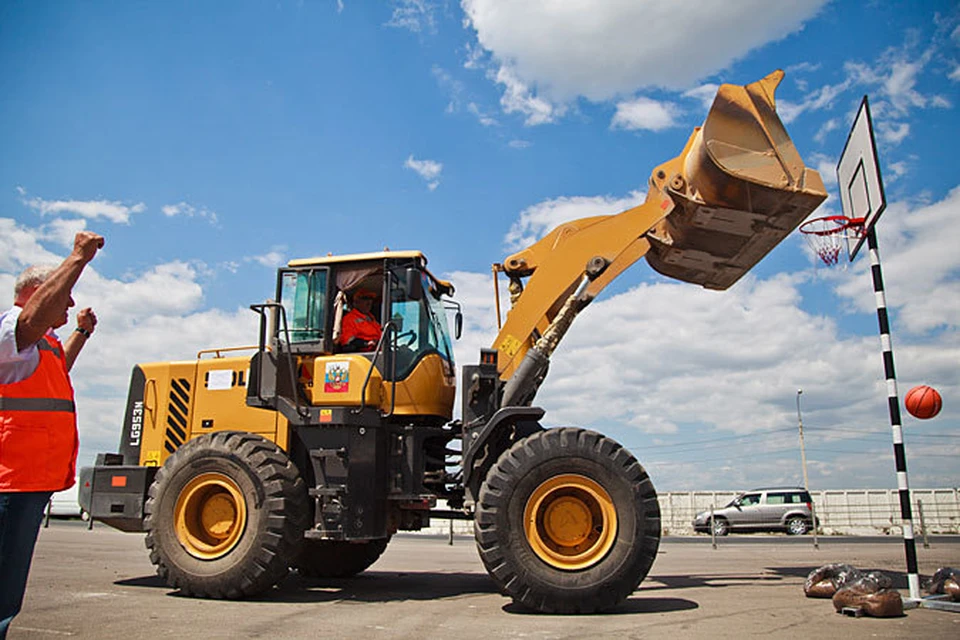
(840, 511)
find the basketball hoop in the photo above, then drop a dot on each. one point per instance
(826, 235)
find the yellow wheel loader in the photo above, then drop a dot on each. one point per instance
(313, 451)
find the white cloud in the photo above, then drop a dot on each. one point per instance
(115, 211)
(892, 82)
(899, 85)
(189, 211)
(644, 113)
(458, 95)
(273, 259)
(826, 166)
(483, 118)
(539, 219)
(429, 170)
(549, 53)
(413, 15)
(705, 94)
(517, 98)
(474, 57)
(898, 169)
(62, 231)
(893, 132)
(19, 248)
(830, 125)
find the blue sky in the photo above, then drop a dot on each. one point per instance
(210, 143)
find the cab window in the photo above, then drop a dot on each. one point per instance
(303, 295)
(420, 326)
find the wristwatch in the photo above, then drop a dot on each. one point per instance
(83, 332)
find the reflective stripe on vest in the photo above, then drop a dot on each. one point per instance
(37, 404)
(43, 345)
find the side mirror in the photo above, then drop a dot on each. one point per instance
(457, 325)
(414, 285)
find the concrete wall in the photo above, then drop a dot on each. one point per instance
(841, 512)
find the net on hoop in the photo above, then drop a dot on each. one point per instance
(826, 236)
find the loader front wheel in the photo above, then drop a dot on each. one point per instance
(587, 517)
(225, 516)
(336, 559)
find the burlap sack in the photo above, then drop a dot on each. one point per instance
(872, 594)
(825, 581)
(945, 580)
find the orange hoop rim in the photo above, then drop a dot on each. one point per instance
(840, 223)
(825, 235)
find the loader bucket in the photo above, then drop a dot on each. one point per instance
(738, 190)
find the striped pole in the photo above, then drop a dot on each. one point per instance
(893, 401)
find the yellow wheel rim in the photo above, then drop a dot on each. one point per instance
(210, 516)
(570, 522)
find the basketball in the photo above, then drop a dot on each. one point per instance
(923, 402)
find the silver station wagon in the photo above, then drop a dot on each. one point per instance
(787, 509)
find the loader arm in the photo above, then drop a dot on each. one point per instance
(738, 188)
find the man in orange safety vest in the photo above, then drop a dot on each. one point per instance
(38, 426)
(360, 330)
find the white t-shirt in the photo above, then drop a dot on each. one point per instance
(15, 365)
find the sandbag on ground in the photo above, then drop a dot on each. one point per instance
(871, 593)
(828, 579)
(945, 581)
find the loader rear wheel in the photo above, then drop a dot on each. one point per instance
(225, 516)
(336, 559)
(589, 519)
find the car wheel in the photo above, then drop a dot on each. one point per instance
(797, 526)
(720, 527)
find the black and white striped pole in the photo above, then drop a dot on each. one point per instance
(863, 200)
(893, 402)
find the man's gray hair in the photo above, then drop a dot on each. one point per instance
(32, 276)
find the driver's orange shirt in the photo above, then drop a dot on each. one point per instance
(357, 324)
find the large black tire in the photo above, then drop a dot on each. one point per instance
(567, 521)
(225, 516)
(335, 559)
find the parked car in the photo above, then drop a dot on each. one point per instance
(787, 509)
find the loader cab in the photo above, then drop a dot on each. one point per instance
(409, 371)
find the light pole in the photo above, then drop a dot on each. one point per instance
(803, 462)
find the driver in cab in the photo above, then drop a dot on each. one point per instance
(360, 330)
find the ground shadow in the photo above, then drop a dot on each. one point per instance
(899, 578)
(370, 586)
(710, 581)
(634, 605)
(154, 582)
(391, 586)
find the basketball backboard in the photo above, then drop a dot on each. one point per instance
(858, 177)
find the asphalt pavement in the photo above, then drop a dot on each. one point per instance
(100, 584)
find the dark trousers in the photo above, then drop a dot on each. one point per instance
(20, 518)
